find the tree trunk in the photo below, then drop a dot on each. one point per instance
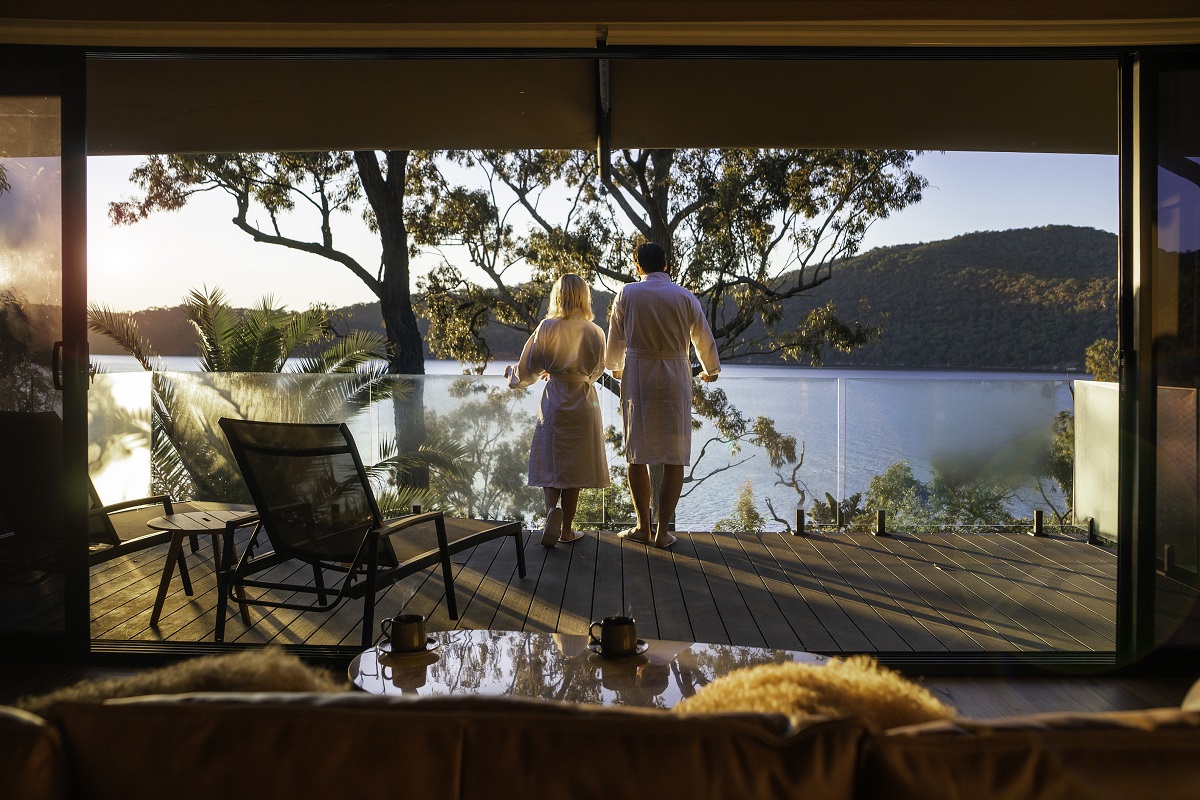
(659, 178)
(406, 354)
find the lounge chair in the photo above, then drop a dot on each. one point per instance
(316, 506)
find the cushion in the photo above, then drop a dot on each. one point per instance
(269, 669)
(857, 686)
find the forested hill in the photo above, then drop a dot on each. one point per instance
(1031, 298)
(1018, 299)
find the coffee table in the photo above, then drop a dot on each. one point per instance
(553, 666)
(214, 519)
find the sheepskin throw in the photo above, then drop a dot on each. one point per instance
(857, 686)
(266, 670)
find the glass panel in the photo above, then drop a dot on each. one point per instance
(1176, 356)
(954, 450)
(31, 552)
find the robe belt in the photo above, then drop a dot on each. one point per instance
(566, 378)
(665, 355)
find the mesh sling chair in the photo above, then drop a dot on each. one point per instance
(315, 504)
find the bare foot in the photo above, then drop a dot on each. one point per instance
(664, 540)
(554, 521)
(635, 535)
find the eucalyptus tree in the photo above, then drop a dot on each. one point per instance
(331, 184)
(749, 232)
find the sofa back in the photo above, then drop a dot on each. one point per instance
(32, 762)
(296, 747)
(1121, 755)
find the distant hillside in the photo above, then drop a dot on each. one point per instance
(1019, 299)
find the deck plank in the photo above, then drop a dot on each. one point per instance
(735, 614)
(704, 620)
(824, 592)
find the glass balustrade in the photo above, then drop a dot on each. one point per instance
(937, 450)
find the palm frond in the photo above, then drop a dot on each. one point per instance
(348, 353)
(397, 502)
(217, 325)
(303, 327)
(121, 327)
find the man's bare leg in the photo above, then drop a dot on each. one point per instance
(668, 498)
(639, 488)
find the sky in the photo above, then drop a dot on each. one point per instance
(157, 262)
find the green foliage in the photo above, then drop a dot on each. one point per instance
(946, 499)
(746, 517)
(1100, 359)
(494, 435)
(832, 512)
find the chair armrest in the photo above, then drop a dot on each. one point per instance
(141, 501)
(390, 526)
(242, 521)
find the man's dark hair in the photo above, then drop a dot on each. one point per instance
(651, 258)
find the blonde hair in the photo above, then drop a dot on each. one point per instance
(570, 297)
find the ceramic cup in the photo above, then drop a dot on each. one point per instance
(405, 633)
(617, 635)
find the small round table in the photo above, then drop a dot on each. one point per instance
(213, 519)
(555, 666)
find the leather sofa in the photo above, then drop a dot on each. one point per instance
(352, 745)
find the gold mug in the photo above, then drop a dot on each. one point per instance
(405, 633)
(617, 636)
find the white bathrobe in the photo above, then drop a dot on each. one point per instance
(567, 451)
(651, 323)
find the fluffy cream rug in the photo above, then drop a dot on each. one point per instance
(267, 670)
(857, 686)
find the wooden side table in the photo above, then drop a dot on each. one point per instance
(214, 519)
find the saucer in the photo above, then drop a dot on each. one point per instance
(431, 644)
(641, 648)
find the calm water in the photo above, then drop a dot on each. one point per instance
(851, 425)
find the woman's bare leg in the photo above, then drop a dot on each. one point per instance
(570, 503)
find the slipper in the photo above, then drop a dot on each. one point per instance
(633, 535)
(572, 540)
(554, 521)
(670, 541)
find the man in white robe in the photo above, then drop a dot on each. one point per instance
(651, 325)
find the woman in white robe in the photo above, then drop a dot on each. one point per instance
(567, 452)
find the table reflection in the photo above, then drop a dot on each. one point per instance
(555, 666)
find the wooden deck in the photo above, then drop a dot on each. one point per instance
(968, 593)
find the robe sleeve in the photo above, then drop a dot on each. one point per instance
(529, 367)
(597, 369)
(615, 350)
(703, 341)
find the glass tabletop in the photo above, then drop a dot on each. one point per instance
(556, 666)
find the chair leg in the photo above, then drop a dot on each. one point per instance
(519, 541)
(319, 582)
(195, 542)
(447, 568)
(368, 623)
